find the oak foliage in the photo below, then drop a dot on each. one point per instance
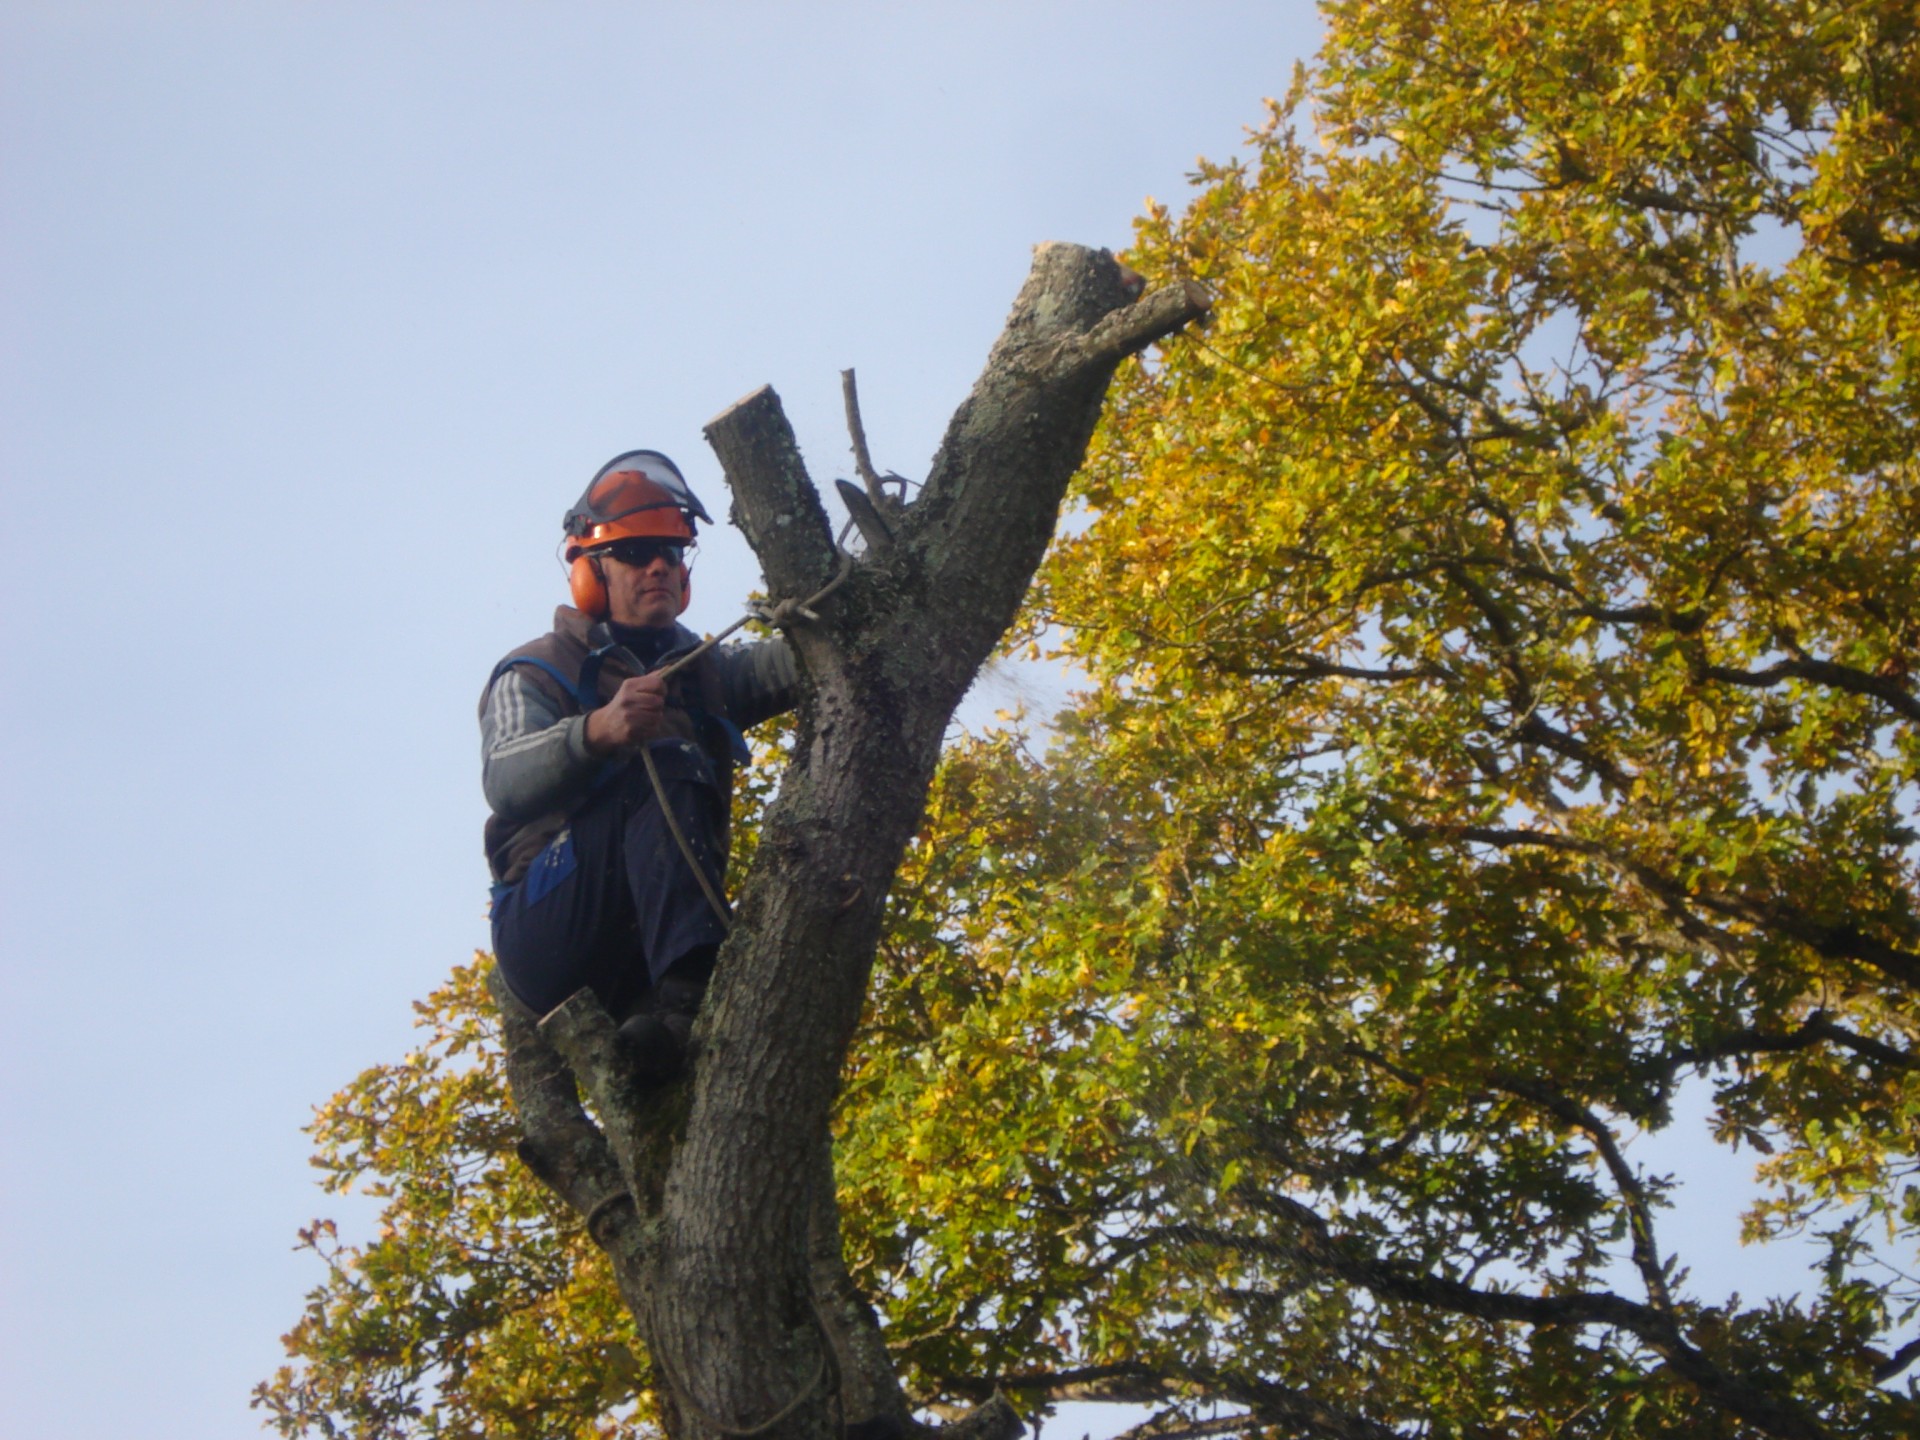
(1500, 727)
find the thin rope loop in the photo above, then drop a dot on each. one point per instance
(800, 1396)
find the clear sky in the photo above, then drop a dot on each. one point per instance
(314, 318)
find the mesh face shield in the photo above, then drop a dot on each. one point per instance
(639, 493)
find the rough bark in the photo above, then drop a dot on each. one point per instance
(727, 1243)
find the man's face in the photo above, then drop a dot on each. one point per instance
(645, 584)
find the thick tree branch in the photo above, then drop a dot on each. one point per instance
(1896, 1362)
(1314, 1245)
(1842, 940)
(1175, 1426)
(565, 1150)
(1283, 1405)
(869, 1388)
(1831, 940)
(993, 495)
(1126, 1383)
(1551, 737)
(774, 502)
(1574, 1115)
(1814, 1030)
(1129, 331)
(1889, 692)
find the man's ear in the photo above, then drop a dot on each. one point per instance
(686, 587)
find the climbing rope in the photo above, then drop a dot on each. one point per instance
(714, 897)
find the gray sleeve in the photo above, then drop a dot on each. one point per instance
(532, 760)
(759, 681)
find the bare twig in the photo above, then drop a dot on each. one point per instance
(862, 460)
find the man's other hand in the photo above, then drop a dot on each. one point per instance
(636, 714)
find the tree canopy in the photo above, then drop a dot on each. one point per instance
(1500, 632)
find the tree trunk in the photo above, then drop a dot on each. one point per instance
(714, 1201)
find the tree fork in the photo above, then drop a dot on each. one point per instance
(740, 1300)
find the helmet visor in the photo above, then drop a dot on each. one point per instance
(627, 484)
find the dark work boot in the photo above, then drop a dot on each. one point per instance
(679, 999)
(656, 1051)
(678, 993)
(660, 1031)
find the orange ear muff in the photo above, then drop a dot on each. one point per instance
(589, 590)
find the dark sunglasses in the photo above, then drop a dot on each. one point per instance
(642, 553)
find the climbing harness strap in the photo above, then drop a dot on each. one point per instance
(585, 689)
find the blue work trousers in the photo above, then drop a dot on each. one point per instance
(611, 903)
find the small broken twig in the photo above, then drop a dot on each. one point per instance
(874, 513)
(862, 460)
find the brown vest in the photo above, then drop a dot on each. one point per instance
(696, 703)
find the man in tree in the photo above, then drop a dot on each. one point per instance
(608, 766)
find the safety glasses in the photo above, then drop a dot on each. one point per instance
(642, 553)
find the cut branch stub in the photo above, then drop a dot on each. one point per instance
(1129, 331)
(774, 502)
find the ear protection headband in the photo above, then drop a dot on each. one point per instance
(589, 586)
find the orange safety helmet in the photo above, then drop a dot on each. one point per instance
(639, 494)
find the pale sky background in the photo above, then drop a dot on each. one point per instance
(314, 318)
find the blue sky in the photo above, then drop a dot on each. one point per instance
(313, 320)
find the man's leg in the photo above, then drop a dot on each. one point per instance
(613, 905)
(570, 923)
